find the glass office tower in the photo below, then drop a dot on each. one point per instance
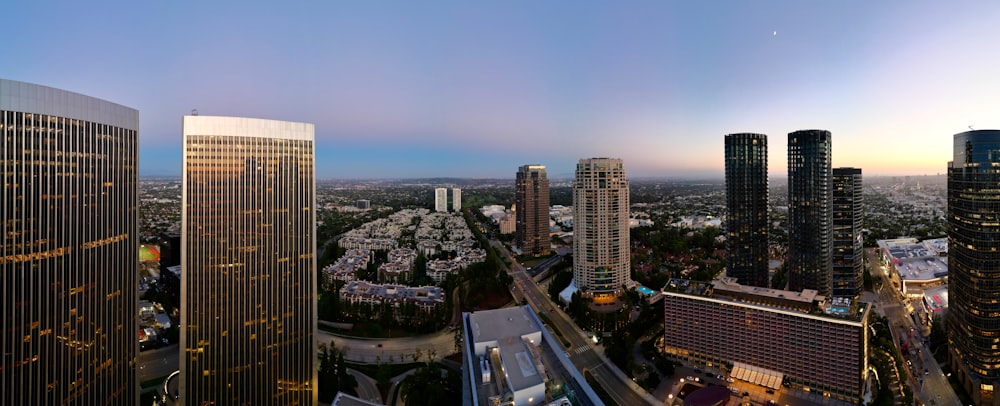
(974, 262)
(70, 253)
(248, 295)
(848, 277)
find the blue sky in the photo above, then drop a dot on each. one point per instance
(475, 89)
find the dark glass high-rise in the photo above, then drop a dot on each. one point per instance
(847, 241)
(810, 237)
(974, 262)
(746, 203)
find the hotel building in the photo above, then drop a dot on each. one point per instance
(532, 215)
(810, 211)
(601, 244)
(974, 263)
(747, 206)
(69, 258)
(248, 293)
(770, 336)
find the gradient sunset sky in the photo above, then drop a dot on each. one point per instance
(475, 88)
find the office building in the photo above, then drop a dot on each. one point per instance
(532, 216)
(248, 295)
(440, 199)
(363, 204)
(810, 211)
(974, 263)
(770, 336)
(510, 358)
(601, 244)
(69, 262)
(848, 253)
(747, 206)
(456, 200)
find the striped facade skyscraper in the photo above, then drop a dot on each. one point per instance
(69, 262)
(747, 206)
(248, 291)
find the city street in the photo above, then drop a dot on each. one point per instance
(583, 353)
(932, 388)
(391, 350)
(158, 363)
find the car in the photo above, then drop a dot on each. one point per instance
(721, 376)
(926, 372)
(689, 378)
(734, 390)
(769, 391)
(730, 380)
(746, 393)
(379, 345)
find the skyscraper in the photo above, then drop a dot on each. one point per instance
(810, 240)
(847, 215)
(248, 292)
(440, 199)
(601, 244)
(974, 263)
(69, 261)
(532, 201)
(456, 200)
(746, 202)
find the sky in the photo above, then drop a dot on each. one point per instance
(403, 89)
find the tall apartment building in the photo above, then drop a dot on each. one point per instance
(532, 201)
(601, 244)
(440, 199)
(69, 258)
(974, 263)
(770, 336)
(248, 293)
(747, 206)
(456, 200)
(847, 240)
(810, 214)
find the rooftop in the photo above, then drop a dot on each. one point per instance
(807, 302)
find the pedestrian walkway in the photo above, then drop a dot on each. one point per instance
(583, 349)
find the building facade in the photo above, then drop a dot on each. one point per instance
(974, 263)
(798, 336)
(746, 202)
(601, 241)
(532, 216)
(69, 262)
(456, 200)
(440, 199)
(848, 213)
(810, 211)
(248, 293)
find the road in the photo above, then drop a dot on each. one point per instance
(933, 387)
(581, 351)
(367, 389)
(392, 350)
(159, 362)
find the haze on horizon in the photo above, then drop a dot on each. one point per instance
(473, 90)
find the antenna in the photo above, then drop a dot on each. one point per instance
(973, 129)
(194, 112)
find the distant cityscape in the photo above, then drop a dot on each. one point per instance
(250, 281)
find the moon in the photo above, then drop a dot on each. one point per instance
(775, 34)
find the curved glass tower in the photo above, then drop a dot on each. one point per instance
(746, 203)
(248, 291)
(810, 211)
(69, 257)
(974, 261)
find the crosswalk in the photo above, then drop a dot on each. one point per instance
(583, 349)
